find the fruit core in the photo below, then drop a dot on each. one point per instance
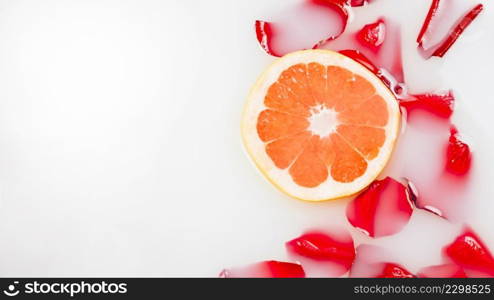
(322, 121)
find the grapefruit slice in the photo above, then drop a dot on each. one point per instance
(319, 125)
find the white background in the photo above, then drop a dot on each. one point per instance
(120, 152)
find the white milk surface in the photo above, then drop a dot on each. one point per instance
(120, 149)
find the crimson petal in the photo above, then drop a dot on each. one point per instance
(470, 253)
(383, 209)
(324, 247)
(392, 270)
(264, 33)
(266, 269)
(265, 30)
(387, 79)
(456, 32)
(341, 8)
(360, 58)
(441, 104)
(458, 155)
(427, 22)
(356, 3)
(372, 35)
(452, 36)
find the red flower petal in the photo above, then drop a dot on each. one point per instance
(360, 58)
(355, 3)
(265, 30)
(441, 105)
(442, 271)
(341, 8)
(458, 156)
(372, 35)
(452, 36)
(427, 22)
(386, 78)
(266, 269)
(456, 32)
(470, 253)
(279, 269)
(264, 33)
(392, 270)
(323, 247)
(384, 208)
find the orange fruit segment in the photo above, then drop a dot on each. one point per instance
(319, 125)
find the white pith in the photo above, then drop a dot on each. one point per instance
(320, 117)
(323, 121)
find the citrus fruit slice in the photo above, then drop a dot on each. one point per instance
(319, 125)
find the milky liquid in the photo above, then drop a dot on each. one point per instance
(447, 16)
(367, 260)
(420, 157)
(302, 26)
(420, 151)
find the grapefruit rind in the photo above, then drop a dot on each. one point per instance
(280, 178)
